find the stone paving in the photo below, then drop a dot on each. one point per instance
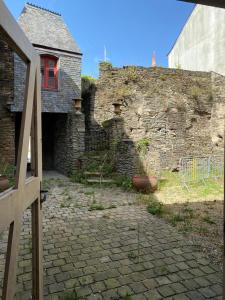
(119, 251)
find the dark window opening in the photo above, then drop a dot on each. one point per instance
(49, 72)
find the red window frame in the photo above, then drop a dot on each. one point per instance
(45, 68)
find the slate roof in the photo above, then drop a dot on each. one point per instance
(46, 28)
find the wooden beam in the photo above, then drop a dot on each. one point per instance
(26, 192)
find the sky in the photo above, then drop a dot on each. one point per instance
(130, 30)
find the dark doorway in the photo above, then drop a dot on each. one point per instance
(53, 139)
(48, 131)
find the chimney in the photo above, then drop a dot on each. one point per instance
(154, 59)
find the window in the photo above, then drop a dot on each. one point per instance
(49, 72)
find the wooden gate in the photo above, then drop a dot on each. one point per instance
(26, 192)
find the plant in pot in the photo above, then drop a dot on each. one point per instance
(6, 174)
(144, 182)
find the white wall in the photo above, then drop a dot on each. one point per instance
(201, 44)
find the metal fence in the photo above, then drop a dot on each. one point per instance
(97, 140)
(200, 168)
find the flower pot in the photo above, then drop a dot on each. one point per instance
(4, 183)
(145, 183)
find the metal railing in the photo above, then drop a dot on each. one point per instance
(200, 168)
(97, 140)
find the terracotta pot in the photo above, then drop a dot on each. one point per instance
(145, 183)
(4, 183)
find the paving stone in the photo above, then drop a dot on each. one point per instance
(180, 297)
(207, 270)
(194, 295)
(112, 283)
(125, 270)
(63, 276)
(150, 283)
(94, 297)
(86, 280)
(98, 287)
(182, 266)
(207, 292)
(162, 280)
(59, 262)
(138, 297)
(178, 287)
(196, 272)
(56, 287)
(110, 294)
(137, 276)
(138, 287)
(83, 291)
(218, 289)
(190, 284)
(202, 281)
(165, 291)
(84, 243)
(71, 283)
(124, 291)
(153, 295)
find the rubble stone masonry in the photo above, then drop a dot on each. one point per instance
(180, 112)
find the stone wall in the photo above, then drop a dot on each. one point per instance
(218, 113)
(7, 127)
(69, 142)
(60, 101)
(176, 110)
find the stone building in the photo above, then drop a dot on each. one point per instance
(201, 43)
(63, 129)
(180, 113)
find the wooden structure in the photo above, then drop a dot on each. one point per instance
(216, 3)
(26, 192)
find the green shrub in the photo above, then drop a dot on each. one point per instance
(142, 145)
(88, 77)
(78, 177)
(124, 182)
(155, 208)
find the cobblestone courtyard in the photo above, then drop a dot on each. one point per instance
(99, 245)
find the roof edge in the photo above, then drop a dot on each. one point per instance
(181, 31)
(42, 8)
(56, 49)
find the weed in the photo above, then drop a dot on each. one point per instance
(189, 212)
(111, 206)
(89, 193)
(186, 227)
(127, 297)
(202, 230)
(124, 182)
(132, 255)
(106, 216)
(177, 218)
(95, 206)
(208, 220)
(155, 208)
(78, 177)
(142, 146)
(70, 296)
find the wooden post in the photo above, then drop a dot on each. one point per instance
(26, 193)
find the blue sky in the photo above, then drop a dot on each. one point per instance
(131, 30)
